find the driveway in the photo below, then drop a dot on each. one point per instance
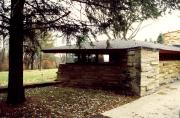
(165, 103)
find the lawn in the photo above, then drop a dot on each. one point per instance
(32, 76)
(63, 102)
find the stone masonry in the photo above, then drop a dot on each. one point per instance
(133, 63)
(93, 75)
(169, 71)
(124, 75)
(172, 38)
(138, 69)
(155, 72)
(149, 71)
(111, 76)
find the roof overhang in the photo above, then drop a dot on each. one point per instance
(83, 50)
(115, 46)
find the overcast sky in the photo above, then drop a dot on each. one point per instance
(152, 28)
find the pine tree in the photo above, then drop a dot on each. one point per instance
(160, 39)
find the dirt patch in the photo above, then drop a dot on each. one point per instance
(60, 102)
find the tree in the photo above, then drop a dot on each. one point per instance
(26, 19)
(160, 39)
(33, 45)
(102, 16)
(47, 42)
(118, 16)
(3, 53)
(16, 29)
(16, 36)
(3, 41)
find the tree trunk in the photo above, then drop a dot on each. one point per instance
(32, 60)
(40, 61)
(2, 58)
(15, 84)
(2, 55)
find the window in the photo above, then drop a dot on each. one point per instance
(93, 58)
(70, 58)
(106, 57)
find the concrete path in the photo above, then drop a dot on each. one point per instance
(165, 103)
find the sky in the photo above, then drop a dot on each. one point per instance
(150, 29)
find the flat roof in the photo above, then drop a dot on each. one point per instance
(114, 45)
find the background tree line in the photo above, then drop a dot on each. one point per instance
(33, 58)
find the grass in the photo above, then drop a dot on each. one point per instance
(32, 76)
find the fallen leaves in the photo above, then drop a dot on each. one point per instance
(60, 102)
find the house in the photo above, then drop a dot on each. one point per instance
(141, 67)
(172, 38)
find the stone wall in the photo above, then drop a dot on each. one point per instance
(149, 71)
(172, 38)
(96, 75)
(93, 75)
(138, 70)
(133, 63)
(123, 75)
(169, 71)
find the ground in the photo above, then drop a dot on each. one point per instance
(57, 101)
(32, 76)
(63, 102)
(164, 103)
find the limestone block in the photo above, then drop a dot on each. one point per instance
(131, 59)
(152, 85)
(143, 90)
(165, 64)
(131, 53)
(154, 63)
(145, 61)
(150, 76)
(171, 71)
(144, 83)
(144, 78)
(145, 64)
(133, 74)
(145, 68)
(135, 86)
(130, 64)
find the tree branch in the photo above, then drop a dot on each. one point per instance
(88, 2)
(4, 27)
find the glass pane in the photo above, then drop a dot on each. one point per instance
(106, 57)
